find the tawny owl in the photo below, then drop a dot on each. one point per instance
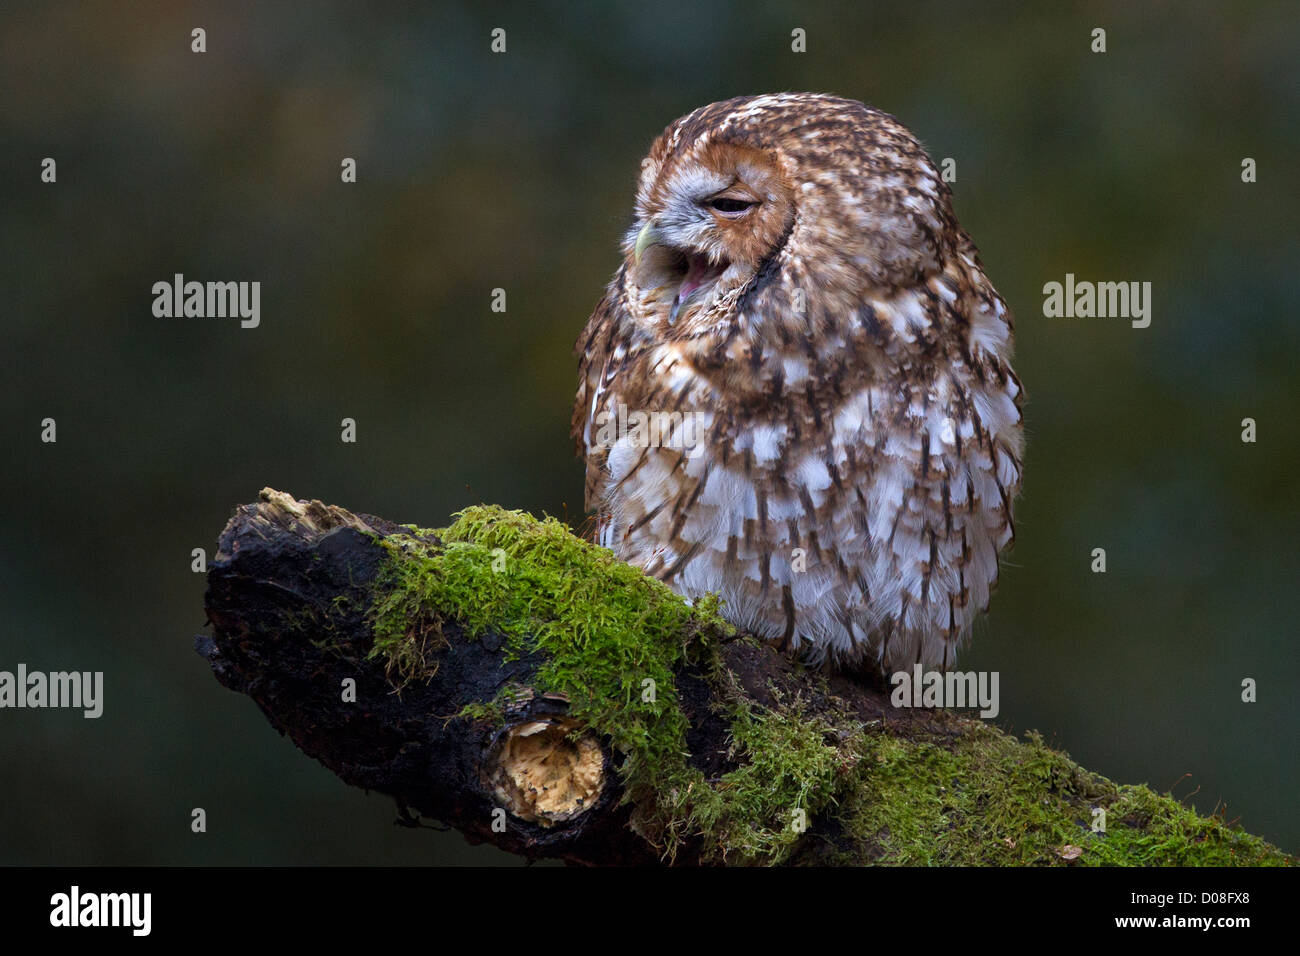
(796, 391)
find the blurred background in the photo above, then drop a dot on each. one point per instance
(479, 170)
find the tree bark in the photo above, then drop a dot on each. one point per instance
(479, 740)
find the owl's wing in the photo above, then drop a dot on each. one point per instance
(596, 373)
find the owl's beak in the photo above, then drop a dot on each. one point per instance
(648, 236)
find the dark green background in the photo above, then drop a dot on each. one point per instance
(479, 171)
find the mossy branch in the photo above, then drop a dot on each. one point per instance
(506, 678)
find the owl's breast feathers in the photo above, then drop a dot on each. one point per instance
(837, 456)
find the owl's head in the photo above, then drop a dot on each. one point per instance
(706, 222)
(793, 189)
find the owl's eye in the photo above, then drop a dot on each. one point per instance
(727, 205)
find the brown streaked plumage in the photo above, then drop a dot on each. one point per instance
(834, 439)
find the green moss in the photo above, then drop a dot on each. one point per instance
(963, 794)
(610, 635)
(1146, 829)
(494, 711)
(790, 773)
(984, 798)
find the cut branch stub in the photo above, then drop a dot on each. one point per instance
(289, 597)
(546, 769)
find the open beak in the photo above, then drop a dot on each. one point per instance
(648, 236)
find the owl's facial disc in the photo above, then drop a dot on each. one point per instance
(709, 221)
